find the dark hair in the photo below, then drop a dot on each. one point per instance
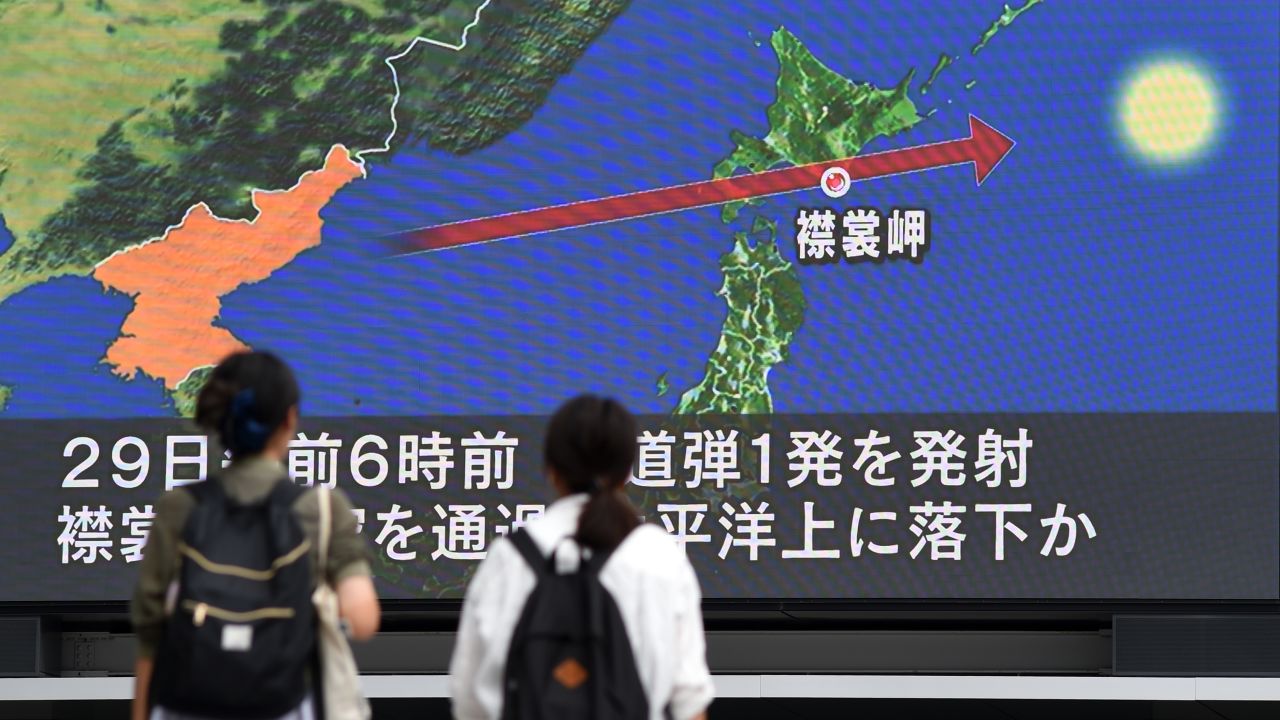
(591, 447)
(246, 399)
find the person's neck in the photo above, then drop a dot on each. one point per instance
(277, 448)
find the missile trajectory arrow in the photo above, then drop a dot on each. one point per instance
(985, 148)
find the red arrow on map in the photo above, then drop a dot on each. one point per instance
(985, 148)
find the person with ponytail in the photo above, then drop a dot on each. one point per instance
(589, 451)
(225, 583)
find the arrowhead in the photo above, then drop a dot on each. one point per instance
(988, 147)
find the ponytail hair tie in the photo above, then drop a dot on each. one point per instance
(241, 402)
(249, 435)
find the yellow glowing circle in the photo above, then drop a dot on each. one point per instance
(1169, 110)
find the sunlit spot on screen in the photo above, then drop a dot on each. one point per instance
(1169, 111)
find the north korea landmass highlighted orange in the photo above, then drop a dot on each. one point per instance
(177, 281)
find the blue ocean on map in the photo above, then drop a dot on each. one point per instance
(1077, 278)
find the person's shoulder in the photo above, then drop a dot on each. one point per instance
(171, 512)
(501, 566)
(306, 505)
(649, 548)
(309, 497)
(654, 537)
(502, 551)
(654, 534)
(176, 502)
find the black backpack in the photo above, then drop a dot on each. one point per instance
(570, 658)
(242, 633)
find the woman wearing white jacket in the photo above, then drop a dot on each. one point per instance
(589, 452)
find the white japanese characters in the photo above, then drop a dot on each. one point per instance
(908, 233)
(712, 456)
(873, 461)
(489, 461)
(712, 493)
(747, 527)
(995, 452)
(939, 455)
(396, 533)
(654, 460)
(938, 527)
(683, 523)
(314, 461)
(86, 534)
(863, 235)
(817, 456)
(138, 523)
(463, 535)
(426, 458)
(816, 235)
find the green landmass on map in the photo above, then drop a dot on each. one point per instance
(818, 115)
(184, 396)
(6, 394)
(766, 307)
(73, 70)
(505, 75)
(1007, 16)
(121, 115)
(944, 61)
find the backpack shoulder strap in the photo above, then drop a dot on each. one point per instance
(326, 524)
(285, 492)
(528, 549)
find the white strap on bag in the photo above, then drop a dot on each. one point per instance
(340, 681)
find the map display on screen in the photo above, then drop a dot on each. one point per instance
(976, 223)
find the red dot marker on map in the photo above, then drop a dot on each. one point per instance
(835, 182)
(984, 148)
